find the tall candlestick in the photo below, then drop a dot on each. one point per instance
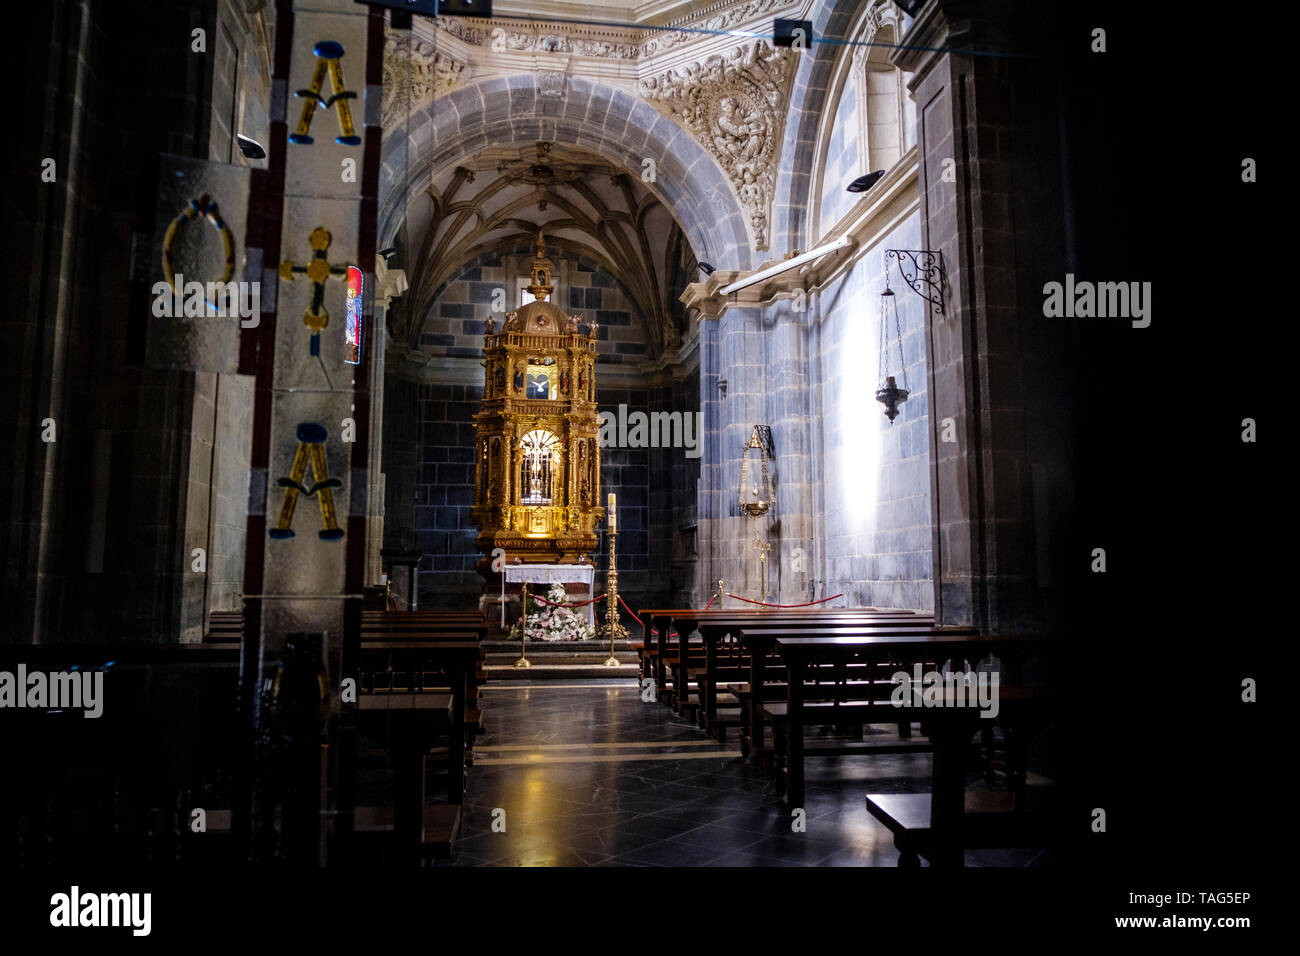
(612, 624)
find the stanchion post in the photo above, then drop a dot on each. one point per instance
(612, 623)
(523, 630)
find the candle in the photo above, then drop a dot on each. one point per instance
(610, 508)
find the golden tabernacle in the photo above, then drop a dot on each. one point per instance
(537, 455)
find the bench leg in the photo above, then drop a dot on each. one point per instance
(744, 727)
(794, 738)
(755, 705)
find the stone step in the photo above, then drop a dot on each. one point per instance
(559, 660)
(558, 671)
(498, 660)
(558, 647)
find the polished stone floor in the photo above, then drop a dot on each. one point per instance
(590, 775)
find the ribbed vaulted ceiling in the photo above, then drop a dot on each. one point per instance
(497, 199)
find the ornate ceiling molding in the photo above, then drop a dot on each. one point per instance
(431, 74)
(715, 19)
(606, 40)
(735, 106)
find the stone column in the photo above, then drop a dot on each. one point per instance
(788, 398)
(735, 355)
(982, 503)
(389, 285)
(308, 576)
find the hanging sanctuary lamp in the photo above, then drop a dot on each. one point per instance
(756, 493)
(889, 394)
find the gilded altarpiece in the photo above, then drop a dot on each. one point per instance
(537, 454)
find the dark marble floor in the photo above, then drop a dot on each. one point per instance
(590, 775)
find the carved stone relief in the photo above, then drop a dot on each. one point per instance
(428, 76)
(735, 107)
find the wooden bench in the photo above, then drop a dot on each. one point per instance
(429, 701)
(949, 727)
(668, 658)
(715, 626)
(1003, 818)
(224, 627)
(759, 639)
(415, 722)
(397, 662)
(421, 625)
(725, 660)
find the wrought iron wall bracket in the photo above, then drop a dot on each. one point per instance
(922, 270)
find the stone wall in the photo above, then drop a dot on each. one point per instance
(454, 322)
(876, 474)
(102, 522)
(843, 163)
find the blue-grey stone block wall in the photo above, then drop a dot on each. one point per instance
(852, 491)
(455, 320)
(429, 469)
(842, 162)
(626, 473)
(876, 475)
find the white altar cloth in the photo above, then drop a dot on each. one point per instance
(549, 574)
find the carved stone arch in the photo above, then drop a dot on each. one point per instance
(871, 37)
(792, 221)
(591, 116)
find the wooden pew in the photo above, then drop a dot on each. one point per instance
(395, 644)
(656, 622)
(417, 711)
(804, 649)
(715, 627)
(760, 641)
(663, 655)
(941, 824)
(164, 742)
(418, 625)
(224, 627)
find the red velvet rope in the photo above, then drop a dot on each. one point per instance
(599, 597)
(711, 600)
(629, 610)
(765, 604)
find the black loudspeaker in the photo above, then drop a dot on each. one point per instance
(465, 8)
(431, 8)
(787, 32)
(405, 8)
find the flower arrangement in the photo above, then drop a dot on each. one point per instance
(547, 622)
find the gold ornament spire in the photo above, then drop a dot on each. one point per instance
(541, 287)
